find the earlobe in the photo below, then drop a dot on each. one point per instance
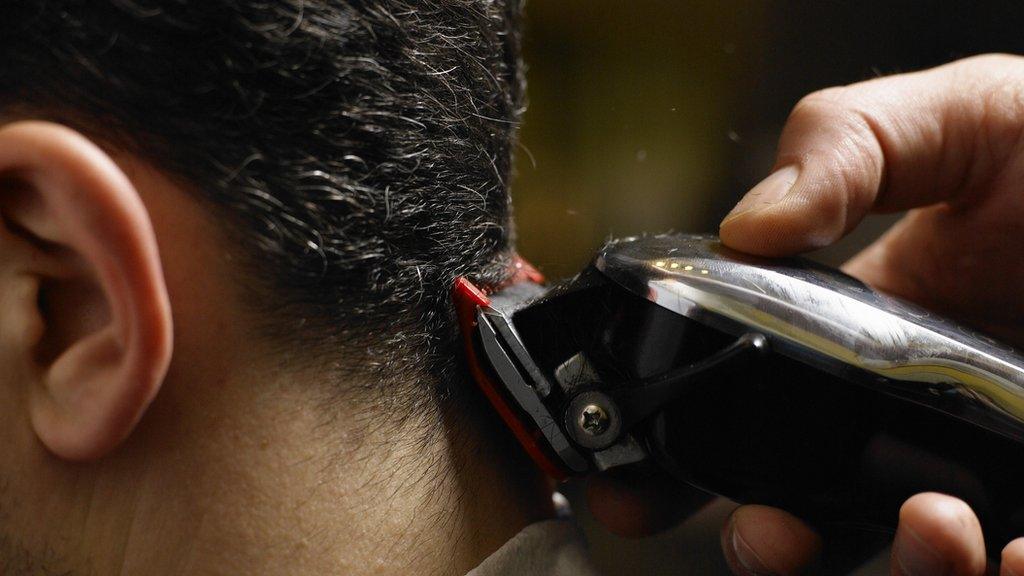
(103, 342)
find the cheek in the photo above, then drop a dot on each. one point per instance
(21, 553)
(32, 494)
(34, 507)
(18, 443)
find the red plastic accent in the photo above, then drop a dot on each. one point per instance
(468, 298)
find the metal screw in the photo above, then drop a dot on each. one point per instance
(593, 419)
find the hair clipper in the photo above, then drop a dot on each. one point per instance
(779, 382)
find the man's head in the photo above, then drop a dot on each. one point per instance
(314, 175)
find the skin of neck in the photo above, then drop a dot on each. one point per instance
(244, 464)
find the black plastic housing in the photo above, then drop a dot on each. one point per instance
(824, 445)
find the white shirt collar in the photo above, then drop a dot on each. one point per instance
(548, 548)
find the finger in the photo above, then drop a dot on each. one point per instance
(938, 534)
(1012, 559)
(759, 540)
(886, 144)
(635, 506)
(895, 262)
(965, 264)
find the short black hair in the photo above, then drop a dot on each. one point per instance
(360, 151)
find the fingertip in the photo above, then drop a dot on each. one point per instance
(761, 540)
(803, 220)
(821, 201)
(1012, 559)
(766, 232)
(938, 533)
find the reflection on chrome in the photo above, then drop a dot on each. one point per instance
(826, 319)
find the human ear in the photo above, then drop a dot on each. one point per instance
(85, 319)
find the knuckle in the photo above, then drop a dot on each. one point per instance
(844, 115)
(847, 144)
(1002, 111)
(822, 103)
(984, 113)
(993, 81)
(989, 105)
(857, 156)
(1004, 96)
(990, 61)
(850, 125)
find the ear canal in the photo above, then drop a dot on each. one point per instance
(71, 309)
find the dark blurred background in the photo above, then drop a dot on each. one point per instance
(650, 115)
